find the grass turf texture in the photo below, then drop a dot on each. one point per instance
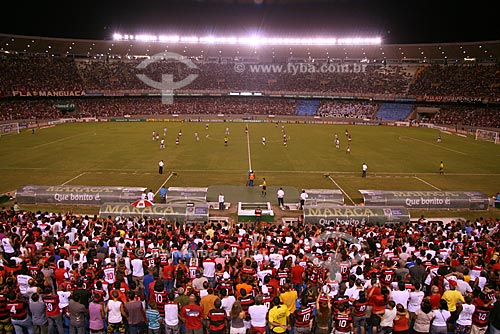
(124, 154)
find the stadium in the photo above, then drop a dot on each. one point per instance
(194, 182)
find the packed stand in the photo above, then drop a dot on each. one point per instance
(119, 107)
(468, 116)
(341, 109)
(26, 73)
(68, 272)
(457, 81)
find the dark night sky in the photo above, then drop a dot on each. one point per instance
(395, 21)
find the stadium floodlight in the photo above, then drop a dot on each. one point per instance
(251, 40)
(171, 39)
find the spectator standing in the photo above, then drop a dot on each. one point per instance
(192, 315)
(281, 196)
(96, 315)
(221, 201)
(172, 325)
(77, 312)
(237, 316)
(257, 314)
(135, 312)
(441, 316)
(151, 195)
(153, 317)
(116, 312)
(217, 319)
(423, 319)
(464, 321)
(38, 315)
(279, 317)
(19, 316)
(303, 198)
(53, 311)
(387, 321)
(402, 320)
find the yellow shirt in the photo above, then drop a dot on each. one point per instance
(289, 298)
(452, 297)
(207, 303)
(278, 314)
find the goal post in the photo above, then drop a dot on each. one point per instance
(487, 135)
(9, 128)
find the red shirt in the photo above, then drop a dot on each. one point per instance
(168, 272)
(342, 322)
(51, 305)
(193, 314)
(18, 310)
(297, 272)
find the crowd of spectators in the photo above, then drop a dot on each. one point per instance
(457, 115)
(32, 72)
(25, 73)
(38, 73)
(458, 81)
(62, 272)
(120, 75)
(42, 109)
(343, 109)
(119, 107)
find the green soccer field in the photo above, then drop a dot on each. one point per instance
(124, 154)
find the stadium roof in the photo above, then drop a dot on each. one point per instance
(487, 50)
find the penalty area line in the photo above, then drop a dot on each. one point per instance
(342, 190)
(168, 178)
(427, 183)
(74, 178)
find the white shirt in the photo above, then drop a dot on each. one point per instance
(63, 298)
(221, 198)
(22, 281)
(258, 315)
(416, 298)
(171, 314)
(227, 304)
(465, 317)
(151, 196)
(304, 196)
(161, 164)
(137, 268)
(7, 247)
(365, 167)
(114, 314)
(388, 318)
(400, 297)
(281, 193)
(209, 268)
(440, 317)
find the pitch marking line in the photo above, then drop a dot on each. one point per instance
(427, 183)
(423, 141)
(72, 179)
(59, 140)
(134, 171)
(249, 156)
(342, 190)
(168, 178)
